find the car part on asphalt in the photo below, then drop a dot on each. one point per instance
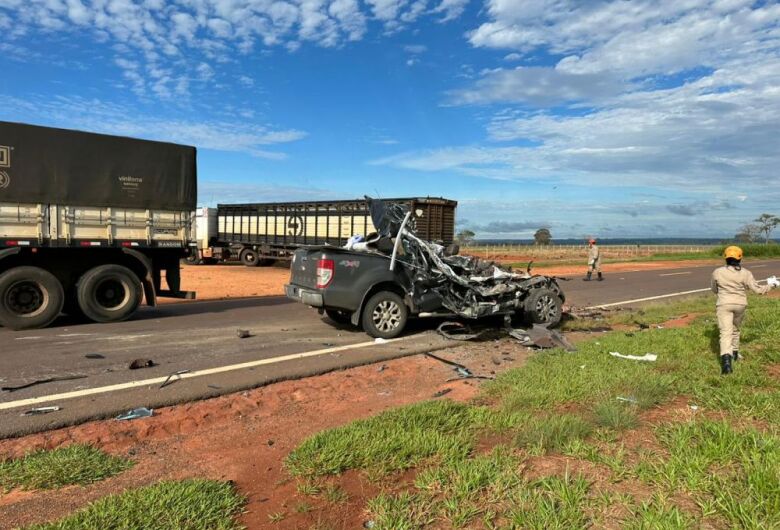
(141, 363)
(40, 410)
(42, 381)
(172, 378)
(458, 331)
(135, 414)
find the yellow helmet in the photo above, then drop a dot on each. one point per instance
(733, 252)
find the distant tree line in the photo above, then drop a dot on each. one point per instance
(760, 228)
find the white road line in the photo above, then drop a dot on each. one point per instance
(649, 298)
(757, 266)
(625, 302)
(189, 375)
(675, 273)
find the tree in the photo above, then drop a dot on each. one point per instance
(465, 237)
(767, 223)
(748, 233)
(542, 237)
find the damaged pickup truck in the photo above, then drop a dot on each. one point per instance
(380, 281)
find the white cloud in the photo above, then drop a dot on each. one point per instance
(674, 95)
(535, 85)
(415, 48)
(451, 9)
(102, 117)
(182, 34)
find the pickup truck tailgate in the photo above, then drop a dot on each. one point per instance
(303, 271)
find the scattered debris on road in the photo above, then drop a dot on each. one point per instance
(442, 392)
(95, 356)
(462, 371)
(646, 357)
(41, 410)
(541, 337)
(458, 331)
(135, 414)
(243, 333)
(42, 381)
(172, 378)
(141, 363)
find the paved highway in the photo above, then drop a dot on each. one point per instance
(200, 340)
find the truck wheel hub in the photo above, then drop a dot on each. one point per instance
(25, 298)
(111, 294)
(387, 316)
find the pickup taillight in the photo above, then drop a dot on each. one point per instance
(325, 270)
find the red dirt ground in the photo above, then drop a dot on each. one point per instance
(244, 437)
(217, 282)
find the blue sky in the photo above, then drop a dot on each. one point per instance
(612, 119)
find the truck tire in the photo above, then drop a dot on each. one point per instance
(385, 315)
(339, 317)
(30, 297)
(109, 293)
(193, 258)
(249, 258)
(543, 306)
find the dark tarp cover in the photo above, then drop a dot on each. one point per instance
(46, 165)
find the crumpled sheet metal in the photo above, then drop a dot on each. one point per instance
(467, 286)
(542, 337)
(458, 331)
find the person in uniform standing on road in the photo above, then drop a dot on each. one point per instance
(594, 260)
(731, 283)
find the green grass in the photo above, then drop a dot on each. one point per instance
(552, 433)
(74, 464)
(567, 403)
(616, 415)
(395, 440)
(176, 505)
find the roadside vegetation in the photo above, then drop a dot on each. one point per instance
(74, 464)
(170, 505)
(576, 440)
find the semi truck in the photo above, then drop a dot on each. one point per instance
(90, 224)
(262, 233)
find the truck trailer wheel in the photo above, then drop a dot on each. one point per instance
(109, 293)
(385, 315)
(30, 297)
(543, 306)
(249, 258)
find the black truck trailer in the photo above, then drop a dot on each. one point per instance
(90, 223)
(261, 233)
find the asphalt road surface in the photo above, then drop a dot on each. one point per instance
(198, 342)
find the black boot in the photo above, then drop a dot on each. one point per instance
(725, 364)
(587, 278)
(601, 278)
(735, 354)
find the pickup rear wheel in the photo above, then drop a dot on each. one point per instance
(30, 297)
(385, 315)
(109, 293)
